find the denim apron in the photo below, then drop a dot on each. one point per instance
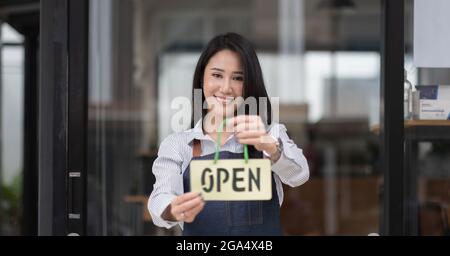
(233, 218)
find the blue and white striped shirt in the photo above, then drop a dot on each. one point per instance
(175, 154)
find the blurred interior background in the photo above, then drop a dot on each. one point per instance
(320, 57)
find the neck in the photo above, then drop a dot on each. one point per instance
(211, 124)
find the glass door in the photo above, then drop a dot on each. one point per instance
(427, 128)
(321, 58)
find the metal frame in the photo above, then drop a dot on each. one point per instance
(62, 112)
(77, 119)
(30, 142)
(53, 118)
(392, 127)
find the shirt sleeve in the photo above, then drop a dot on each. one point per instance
(167, 169)
(292, 167)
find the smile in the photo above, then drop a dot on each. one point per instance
(224, 99)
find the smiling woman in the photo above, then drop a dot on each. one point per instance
(228, 70)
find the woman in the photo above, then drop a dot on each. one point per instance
(227, 70)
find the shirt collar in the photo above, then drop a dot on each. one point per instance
(197, 132)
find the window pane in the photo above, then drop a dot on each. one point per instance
(427, 144)
(321, 60)
(11, 148)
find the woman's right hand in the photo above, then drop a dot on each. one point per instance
(184, 208)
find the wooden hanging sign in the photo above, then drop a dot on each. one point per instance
(232, 179)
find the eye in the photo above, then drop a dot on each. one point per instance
(216, 75)
(239, 78)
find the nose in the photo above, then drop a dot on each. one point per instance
(225, 87)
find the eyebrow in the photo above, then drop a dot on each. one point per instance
(221, 70)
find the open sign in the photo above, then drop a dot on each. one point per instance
(232, 180)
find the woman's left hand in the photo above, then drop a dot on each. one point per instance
(251, 130)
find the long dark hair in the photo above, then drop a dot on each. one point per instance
(253, 78)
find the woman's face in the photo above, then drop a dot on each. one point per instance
(223, 82)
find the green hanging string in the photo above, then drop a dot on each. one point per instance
(219, 142)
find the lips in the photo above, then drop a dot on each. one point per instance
(224, 99)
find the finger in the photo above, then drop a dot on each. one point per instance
(268, 139)
(233, 121)
(180, 216)
(247, 127)
(250, 134)
(241, 119)
(191, 214)
(250, 141)
(185, 197)
(188, 205)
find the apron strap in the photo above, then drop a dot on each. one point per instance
(196, 148)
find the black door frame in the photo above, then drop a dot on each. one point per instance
(394, 221)
(63, 117)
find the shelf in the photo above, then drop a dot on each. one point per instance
(413, 123)
(417, 123)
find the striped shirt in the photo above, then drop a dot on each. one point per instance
(175, 154)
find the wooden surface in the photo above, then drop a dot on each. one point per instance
(414, 123)
(353, 205)
(139, 199)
